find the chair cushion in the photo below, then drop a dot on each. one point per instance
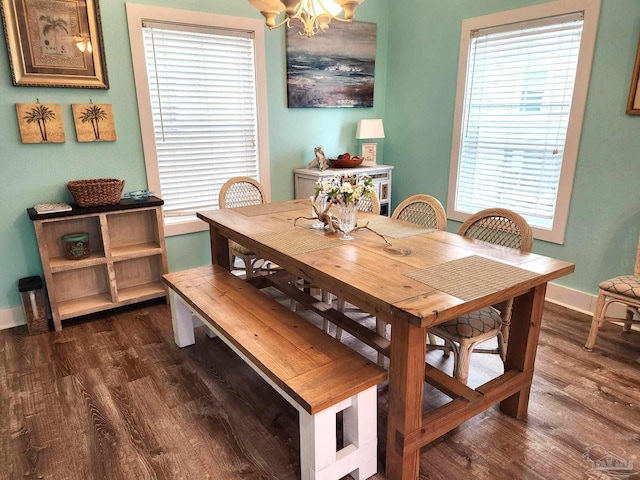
(473, 324)
(238, 249)
(627, 285)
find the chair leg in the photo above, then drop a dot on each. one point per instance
(447, 349)
(628, 320)
(381, 329)
(293, 280)
(248, 268)
(326, 298)
(340, 308)
(461, 361)
(597, 321)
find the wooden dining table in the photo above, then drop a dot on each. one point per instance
(413, 278)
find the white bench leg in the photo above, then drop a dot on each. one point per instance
(319, 457)
(360, 428)
(182, 319)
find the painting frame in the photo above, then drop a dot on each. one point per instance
(55, 43)
(334, 69)
(633, 103)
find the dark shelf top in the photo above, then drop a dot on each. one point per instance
(125, 204)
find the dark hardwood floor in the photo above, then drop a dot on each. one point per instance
(113, 397)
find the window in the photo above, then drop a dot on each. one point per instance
(522, 86)
(200, 81)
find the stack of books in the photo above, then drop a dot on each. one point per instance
(51, 207)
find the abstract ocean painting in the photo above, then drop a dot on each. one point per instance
(332, 69)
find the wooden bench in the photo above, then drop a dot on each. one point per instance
(314, 372)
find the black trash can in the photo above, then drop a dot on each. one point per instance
(34, 304)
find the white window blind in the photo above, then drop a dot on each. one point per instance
(202, 85)
(518, 94)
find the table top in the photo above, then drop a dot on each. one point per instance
(423, 276)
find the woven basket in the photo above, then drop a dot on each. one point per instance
(99, 191)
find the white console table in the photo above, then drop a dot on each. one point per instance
(305, 181)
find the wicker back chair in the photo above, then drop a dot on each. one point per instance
(625, 290)
(422, 210)
(497, 226)
(370, 204)
(242, 192)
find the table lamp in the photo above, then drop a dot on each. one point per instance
(369, 129)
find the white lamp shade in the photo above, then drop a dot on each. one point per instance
(370, 128)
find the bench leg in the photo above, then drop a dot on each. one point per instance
(319, 457)
(182, 319)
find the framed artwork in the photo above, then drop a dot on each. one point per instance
(40, 123)
(55, 43)
(369, 151)
(332, 69)
(94, 123)
(633, 103)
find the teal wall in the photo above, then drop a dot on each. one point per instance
(604, 217)
(415, 91)
(37, 173)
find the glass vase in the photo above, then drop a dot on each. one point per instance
(320, 203)
(347, 220)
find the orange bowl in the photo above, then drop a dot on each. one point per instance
(345, 162)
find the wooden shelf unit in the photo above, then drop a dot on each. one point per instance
(128, 257)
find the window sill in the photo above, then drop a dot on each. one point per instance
(187, 226)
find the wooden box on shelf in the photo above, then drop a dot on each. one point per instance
(126, 261)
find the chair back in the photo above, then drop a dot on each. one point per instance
(241, 192)
(499, 226)
(370, 204)
(422, 210)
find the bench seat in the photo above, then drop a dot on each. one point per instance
(314, 372)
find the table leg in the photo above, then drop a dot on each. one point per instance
(406, 389)
(219, 248)
(526, 321)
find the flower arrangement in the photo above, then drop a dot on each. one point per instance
(344, 189)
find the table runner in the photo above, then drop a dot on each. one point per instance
(295, 241)
(471, 277)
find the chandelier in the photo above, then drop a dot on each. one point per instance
(314, 15)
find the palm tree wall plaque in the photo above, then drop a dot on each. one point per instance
(94, 114)
(94, 122)
(41, 114)
(40, 123)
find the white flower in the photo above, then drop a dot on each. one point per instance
(346, 187)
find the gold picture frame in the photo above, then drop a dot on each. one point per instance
(55, 43)
(633, 103)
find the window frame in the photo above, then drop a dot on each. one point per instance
(591, 11)
(136, 14)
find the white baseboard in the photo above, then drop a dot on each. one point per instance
(580, 301)
(11, 317)
(564, 296)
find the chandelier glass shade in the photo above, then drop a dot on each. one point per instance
(313, 15)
